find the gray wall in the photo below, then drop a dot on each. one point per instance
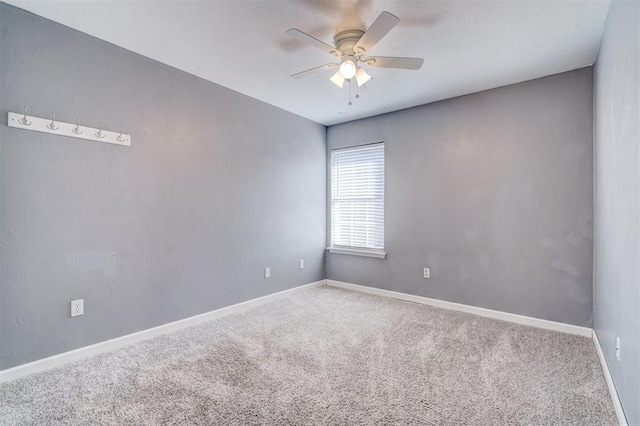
(617, 200)
(493, 192)
(215, 187)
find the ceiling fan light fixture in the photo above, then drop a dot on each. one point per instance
(350, 46)
(337, 79)
(348, 68)
(362, 77)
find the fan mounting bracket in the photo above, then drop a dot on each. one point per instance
(345, 41)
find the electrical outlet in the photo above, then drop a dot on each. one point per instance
(426, 273)
(77, 307)
(267, 272)
(618, 349)
(301, 263)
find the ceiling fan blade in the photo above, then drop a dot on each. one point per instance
(314, 70)
(312, 41)
(380, 27)
(391, 62)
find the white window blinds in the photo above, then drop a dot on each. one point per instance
(357, 197)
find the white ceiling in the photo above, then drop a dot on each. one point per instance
(468, 46)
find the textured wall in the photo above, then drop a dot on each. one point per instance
(617, 200)
(215, 187)
(493, 192)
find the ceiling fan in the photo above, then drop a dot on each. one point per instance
(351, 46)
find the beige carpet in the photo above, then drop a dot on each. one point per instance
(328, 356)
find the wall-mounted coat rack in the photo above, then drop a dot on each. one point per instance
(50, 125)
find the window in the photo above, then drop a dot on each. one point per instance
(357, 200)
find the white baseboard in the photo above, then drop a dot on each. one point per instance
(489, 313)
(119, 342)
(109, 345)
(622, 419)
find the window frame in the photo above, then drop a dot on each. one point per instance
(354, 250)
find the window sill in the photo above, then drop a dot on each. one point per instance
(358, 252)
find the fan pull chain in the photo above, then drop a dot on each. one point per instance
(350, 103)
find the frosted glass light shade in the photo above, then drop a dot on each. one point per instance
(337, 79)
(362, 77)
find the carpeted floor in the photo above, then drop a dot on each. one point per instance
(328, 356)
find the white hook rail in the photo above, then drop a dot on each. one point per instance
(50, 125)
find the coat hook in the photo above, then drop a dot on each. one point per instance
(77, 129)
(53, 125)
(119, 138)
(99, 133)
(24, 120)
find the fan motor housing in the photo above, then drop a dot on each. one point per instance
(346, 40)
